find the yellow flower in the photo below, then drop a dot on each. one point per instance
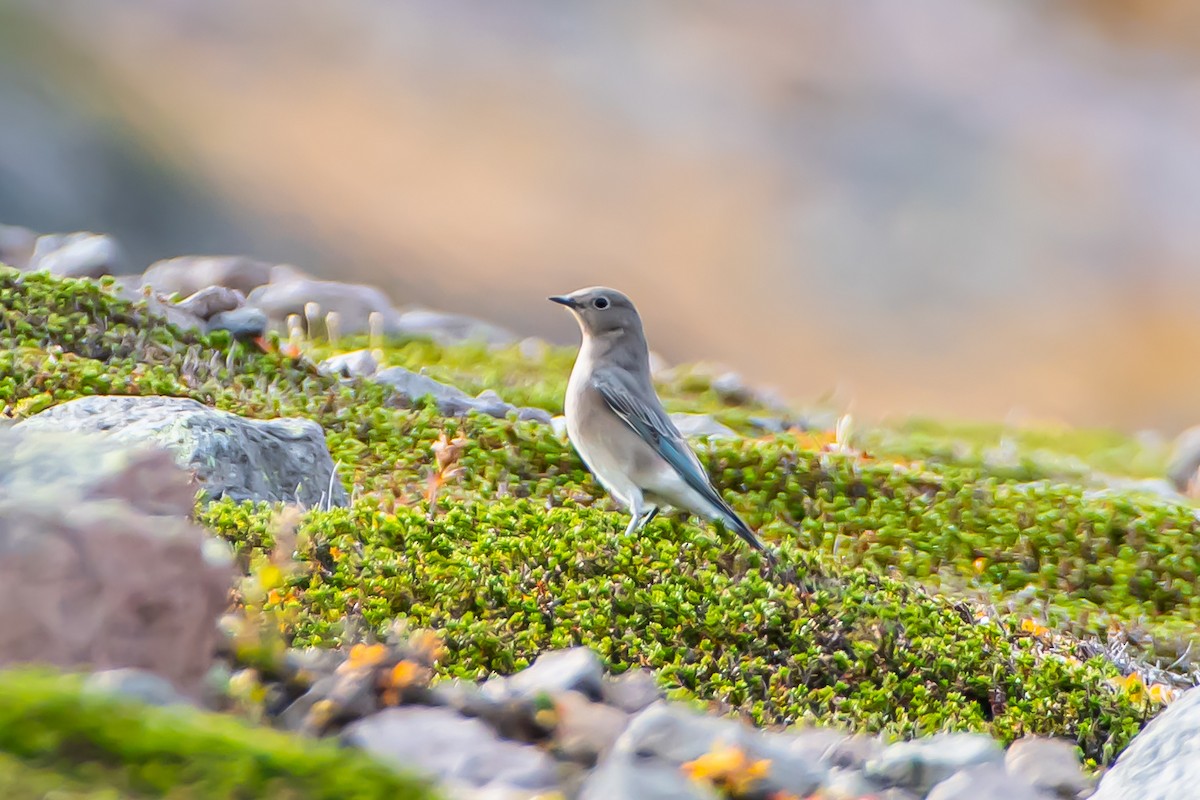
(980, 563)
(366, 655)
(270, 577)
(728, 767)
(1161, 693)
(1131, 685)
(404, 674)
(1031, 626)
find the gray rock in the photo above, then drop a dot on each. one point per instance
(450, 400)
(701, 426)
(307, 665)
(78, 255)
(530, 414)
(355, 364)
(445, 328)
(986, 782)
(16, 245)
(101, 566)
(848, 784)
(244, 323)
(490, 403)
(624, 776)
(796, 767)
(279, 460)
(126, 288)
(511, 718)
(921, 764)
(576, 669)
(413, 386)
(345, 696)
(354, 303)
(673, 734)
(812, 744)
(854, 752)
(1050, 764)
(586, 731)
(677, 734)
(135, 684)
(186, 275)
(439, 742)
(631, 691)
(1163, 761)
(212, 300)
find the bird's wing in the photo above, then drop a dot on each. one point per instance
(650, 422)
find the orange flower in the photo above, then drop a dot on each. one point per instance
(728, 767)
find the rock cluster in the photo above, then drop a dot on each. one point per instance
(242, 295)
(563, 728)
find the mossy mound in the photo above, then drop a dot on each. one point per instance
(503, 580)
(57, 740)
(508, 546)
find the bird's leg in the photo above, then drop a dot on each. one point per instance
(636, 506)
(651, 514)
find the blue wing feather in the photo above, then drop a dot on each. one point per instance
(651, 423)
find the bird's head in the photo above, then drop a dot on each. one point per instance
(601, 311)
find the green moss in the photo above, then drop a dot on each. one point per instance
(1025, 453)
(55, 736)
(523, 554)
(505, 579)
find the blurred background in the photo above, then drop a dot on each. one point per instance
(970, 208)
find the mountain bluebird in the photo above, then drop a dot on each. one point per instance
(617, 423)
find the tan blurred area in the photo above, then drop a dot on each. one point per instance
(949, 207)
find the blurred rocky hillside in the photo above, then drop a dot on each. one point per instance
(935, 206)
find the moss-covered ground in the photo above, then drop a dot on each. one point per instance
(940, 579)
(58, 740)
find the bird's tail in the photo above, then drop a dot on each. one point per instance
(736, 524)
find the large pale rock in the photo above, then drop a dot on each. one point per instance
(451, 748)
(631, 691)
(921, 764)
(186, 275)
(354, 303)
(1163, 762)
(987, 782)
(278, 460)
(675, 734)
(78, 255)
(576, 669)
(625, 776)
(585, 731)
(100, 566)
(1049, 764)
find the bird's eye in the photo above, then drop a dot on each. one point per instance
(600, 303)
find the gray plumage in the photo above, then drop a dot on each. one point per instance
(618, 426)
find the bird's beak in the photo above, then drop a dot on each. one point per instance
(564, 300)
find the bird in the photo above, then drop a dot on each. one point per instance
(617, 424)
